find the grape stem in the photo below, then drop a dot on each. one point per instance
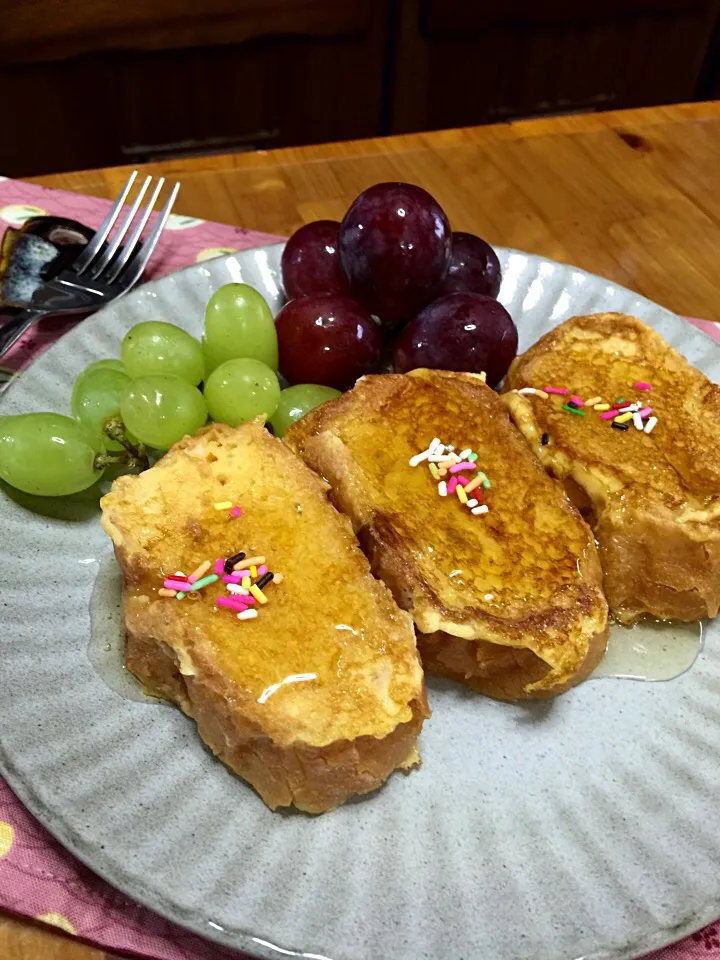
(134, 456)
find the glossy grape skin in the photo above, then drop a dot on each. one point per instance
(474, 267)
(296, 401)
(461, 331)
(159, 411)
(96, 397)
(106, 365)
(238, 323)
(310, 263)
(240, 390)
(48, 454)
(394, 247)
(327, 339)
(155, 348)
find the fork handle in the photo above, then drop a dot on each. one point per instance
(11, 332)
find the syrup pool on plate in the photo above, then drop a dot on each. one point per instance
(106, 649)
(651, 650)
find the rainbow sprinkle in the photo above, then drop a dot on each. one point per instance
(619, 412)
(242, 592)
(442, 461)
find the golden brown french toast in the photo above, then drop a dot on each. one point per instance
(507, 601)
(321, 694)
(652, 498)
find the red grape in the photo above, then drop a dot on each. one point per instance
(474, 267)
(310, 262)
(327, 339)
(461, 331)
(395, 249)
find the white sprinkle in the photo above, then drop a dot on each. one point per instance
(435, 442)
(472, 503)
(442, 488)
(418, 458)
(650, 425)
(638, 421)
(481, 509)
(450, 447)
(631, 408)
(441, 458)
(465, 453)
(525, 390)
(179, 573)
(456, 458)
(237, 590)
(247, 615)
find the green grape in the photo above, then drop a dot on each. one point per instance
(106, 365)
(155, 348)
(159, 411)
(96, 397)
(296, 401)
(240, 390)
(48, 454)
(238, 323)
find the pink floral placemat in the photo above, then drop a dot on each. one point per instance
(38, 878)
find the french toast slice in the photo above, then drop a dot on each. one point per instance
(652, 499)
(318, 697)
(508, 602)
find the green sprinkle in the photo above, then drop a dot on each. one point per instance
(620, 400)
(472, 457)
(180, 596)
(434, 471)
(485, 481)
(579, 413)
(199, 584)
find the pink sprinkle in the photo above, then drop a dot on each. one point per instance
(232, 603)
(452, 483)
(560, 390)
(609, 415)
(642, 385)
(171, 584)
(463, 481)
(645, 412)
(219, 566)
(241, 574)
(236, 512)
(232, 578)
(262, 570)
(577, 401)
(464, 465)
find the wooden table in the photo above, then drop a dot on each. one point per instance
(634, 196)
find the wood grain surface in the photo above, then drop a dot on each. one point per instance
(634, 196)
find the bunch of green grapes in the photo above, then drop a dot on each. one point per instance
(164, 387)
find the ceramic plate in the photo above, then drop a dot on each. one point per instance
(584, 827)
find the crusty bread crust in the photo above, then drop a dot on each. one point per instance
(312, 744)
(313, 779)
(653, 501)
(521, 647)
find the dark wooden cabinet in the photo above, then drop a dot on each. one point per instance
(461, 63)
(103, 83)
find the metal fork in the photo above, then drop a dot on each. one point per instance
(102, 272)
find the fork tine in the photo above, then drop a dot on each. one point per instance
(112, 247)
(134, 271)
(129, 247)
(101, 234)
